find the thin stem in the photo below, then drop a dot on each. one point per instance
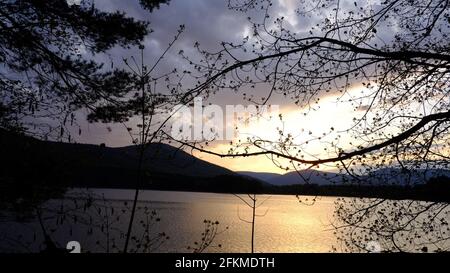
(141, 157)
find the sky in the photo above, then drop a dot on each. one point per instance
(210, 22)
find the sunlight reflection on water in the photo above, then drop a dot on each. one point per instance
(287, 225)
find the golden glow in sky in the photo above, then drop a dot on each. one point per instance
(321, 118)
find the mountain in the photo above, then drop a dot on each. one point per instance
(30, 163)
(307, 176)
(401, 177)
(158, 157)
(381, 177)
(301, 177)
(263, 176)
(33, 170)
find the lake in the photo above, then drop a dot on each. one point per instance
(285, 225)
(175, 221)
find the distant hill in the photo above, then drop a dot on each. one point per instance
(33, 170)
(301, 177)
(308, 176)
(28, 162)
(263, 176)
(158, 157)
(380, 177)
(400, 177)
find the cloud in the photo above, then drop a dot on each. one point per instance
(73, 2)
(208, 22)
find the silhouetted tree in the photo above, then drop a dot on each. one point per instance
(251, 201)
(146, 104)
(409, 69)
(145, 113)
(208, 236)
(392, 225)
(393, 53)
(47, 51)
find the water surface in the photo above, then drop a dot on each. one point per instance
(284, 224)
